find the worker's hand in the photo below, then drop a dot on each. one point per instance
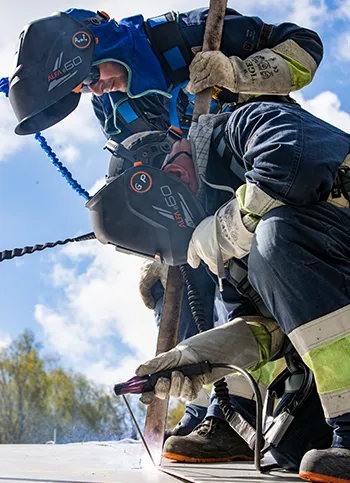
(231, 343)
(210, 69)
(225, 232)
(151, 272)
(264, 72)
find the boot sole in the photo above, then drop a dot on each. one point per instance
(306, 475)
(188, 459)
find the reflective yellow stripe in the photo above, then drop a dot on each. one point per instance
(239, 386)
(324, 345)
(263, 338)
(301, 75)
(330, 364)
(336, 403)
(300, 63)
(322, 330)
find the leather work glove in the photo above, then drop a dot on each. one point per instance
(224, 232)
(231, 343)
(229, 233)
(264, 72)
(151, 272)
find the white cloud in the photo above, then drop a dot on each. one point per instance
(308, 13)
(95, 308)
(327, 106)
(344, 8)
(5, 340)
(80, 126)
(70, 154)
(342, 47)
(97, 185)
(10, 142)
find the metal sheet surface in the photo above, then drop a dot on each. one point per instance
(76, 463)
(115, 463)
(228, 473)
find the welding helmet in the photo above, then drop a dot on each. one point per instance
(143, 209)
(149, 148)
(54, 57)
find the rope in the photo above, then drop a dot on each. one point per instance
(19, 252)
(5, 87)
(62, 169)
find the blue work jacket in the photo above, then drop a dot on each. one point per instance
(146, 106)
(286, 151)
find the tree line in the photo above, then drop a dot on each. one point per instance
(40, 399)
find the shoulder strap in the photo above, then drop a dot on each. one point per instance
(170, 47)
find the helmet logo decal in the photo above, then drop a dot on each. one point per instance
(141, 182)
(81, 40)
(62, 73)
(179, 210)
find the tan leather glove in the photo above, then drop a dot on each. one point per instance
(264, 72)
(224, 232)
(231, 230)
(232, 343)
(151, 272)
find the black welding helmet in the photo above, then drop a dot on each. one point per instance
(150, 148)
(143, 209)
(54, 56)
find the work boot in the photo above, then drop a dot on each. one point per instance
(184, 427)
(213, 441)
(326, 465)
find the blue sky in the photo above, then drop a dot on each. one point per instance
(83, 300)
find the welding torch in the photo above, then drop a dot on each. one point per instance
(141, 384)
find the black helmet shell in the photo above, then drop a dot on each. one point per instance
(54, 56)
(149, 147)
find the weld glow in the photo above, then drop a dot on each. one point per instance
(146, 462)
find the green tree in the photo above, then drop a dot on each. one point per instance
(38, 396)
(176, 412)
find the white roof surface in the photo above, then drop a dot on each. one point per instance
(114, 462)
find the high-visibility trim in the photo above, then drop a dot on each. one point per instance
(324, 345)
(300, 63)
(254, 202)
(336, 403)
(238, 385)
(321, 331)
(331, 365)
(202, 399)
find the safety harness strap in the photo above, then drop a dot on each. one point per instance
(170, 47)
(239, 277)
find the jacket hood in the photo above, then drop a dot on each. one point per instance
(126, 42)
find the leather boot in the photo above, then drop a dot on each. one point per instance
(330, 465)
(213, 441)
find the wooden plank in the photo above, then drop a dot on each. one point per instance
(212, 41)
(167, 338)
(157, 411)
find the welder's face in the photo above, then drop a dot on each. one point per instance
(113, 78)
(182, 166)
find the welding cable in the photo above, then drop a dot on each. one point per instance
(223, 396)
(195, 299)
(19, 252)
(221, 391)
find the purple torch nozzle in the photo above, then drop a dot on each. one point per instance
(135, 385)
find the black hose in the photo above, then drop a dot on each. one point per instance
(220, 387)
(195, 299)
(19, 252)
